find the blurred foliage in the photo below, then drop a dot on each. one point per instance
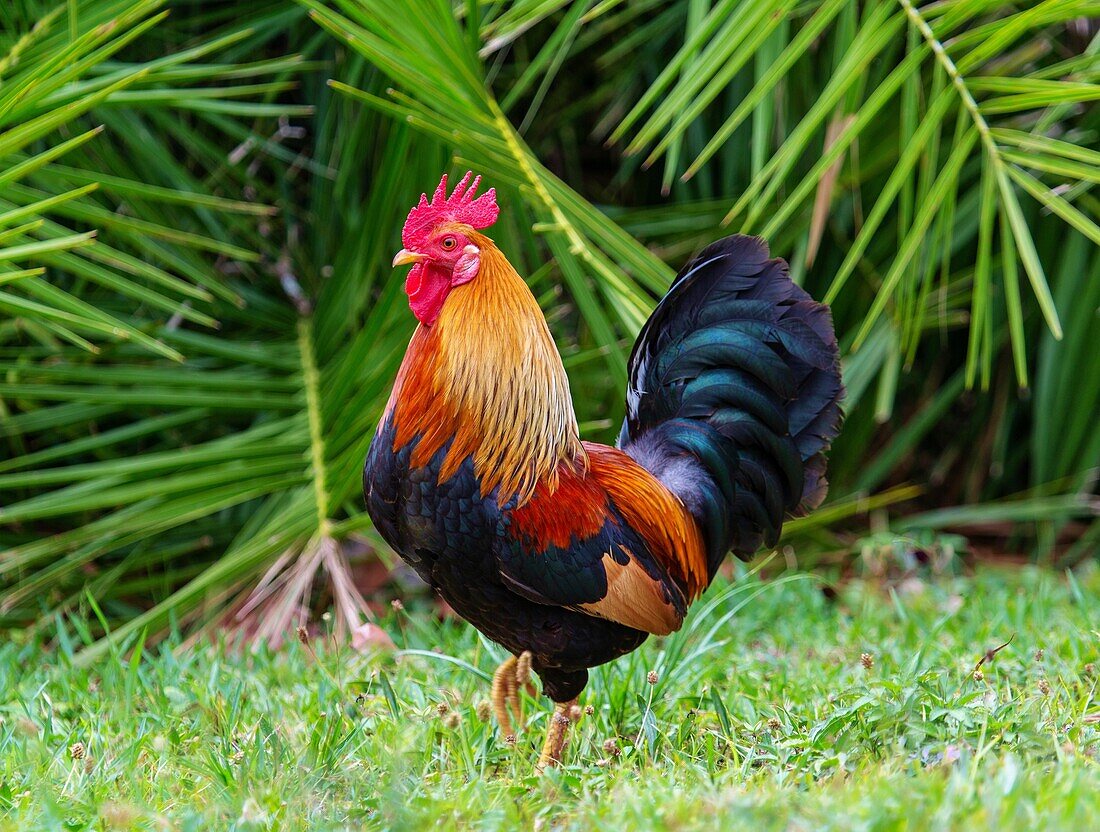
(199, 201)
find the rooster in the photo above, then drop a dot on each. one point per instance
(566, 552)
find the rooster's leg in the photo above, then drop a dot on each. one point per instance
(504, 681)
(512, 674)
(565, 714)
(523, 679)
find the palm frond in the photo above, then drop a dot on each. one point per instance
(200, 328)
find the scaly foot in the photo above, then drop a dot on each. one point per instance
(565, 714)
(509, 677)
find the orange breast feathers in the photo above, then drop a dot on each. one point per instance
(578, 505)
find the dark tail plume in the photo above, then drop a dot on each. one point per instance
(734, 395)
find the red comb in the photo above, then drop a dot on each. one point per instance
(460, 206)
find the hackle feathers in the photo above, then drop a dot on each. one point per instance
(489, 375)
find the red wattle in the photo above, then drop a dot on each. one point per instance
(413, 278)
(427, 287)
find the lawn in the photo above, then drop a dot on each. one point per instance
(780, 705)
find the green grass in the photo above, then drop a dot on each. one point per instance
(763, 714)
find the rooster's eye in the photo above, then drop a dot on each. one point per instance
(448, 243)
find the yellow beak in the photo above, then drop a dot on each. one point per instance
(405, 256)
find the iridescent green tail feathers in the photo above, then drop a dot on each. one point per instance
(734, 395)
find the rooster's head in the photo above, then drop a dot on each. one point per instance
(442, 243)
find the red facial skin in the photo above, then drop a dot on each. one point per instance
(450, 260)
